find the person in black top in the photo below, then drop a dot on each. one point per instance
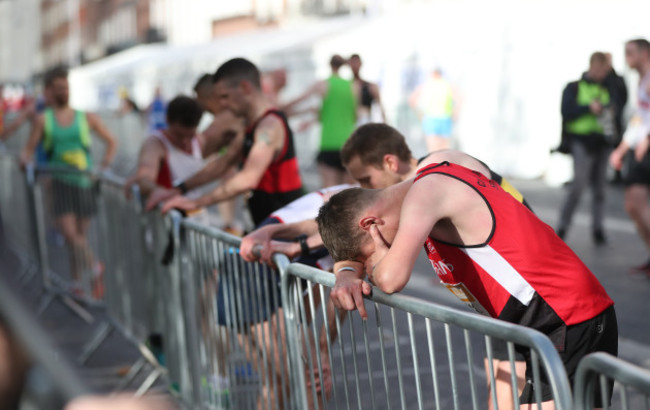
(366, 92)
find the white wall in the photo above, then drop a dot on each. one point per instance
(19, 39)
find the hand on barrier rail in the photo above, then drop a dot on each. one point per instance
(264, 253)
(128, 186)
(253, 244)
(348, 291)
(160, 195)
(25, 160)
(180, 203)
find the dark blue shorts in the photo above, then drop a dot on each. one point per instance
(249, 292)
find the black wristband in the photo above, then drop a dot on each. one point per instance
(304, 248)
(182, 187)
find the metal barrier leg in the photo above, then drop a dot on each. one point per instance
(101, 334)
(133, 372)
(77, 309)
(70, 303)
(149, 381)
(27, 275)
(45, 303)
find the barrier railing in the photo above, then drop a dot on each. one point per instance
(631, 388)
(65, 204)
(129, 288)
(17, 213)
(382, 366)
(235, 325)
(242, 335)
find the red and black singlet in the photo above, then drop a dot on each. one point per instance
(524, 273)
(281, 182)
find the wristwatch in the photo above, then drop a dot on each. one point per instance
(182, 187)
(304, 248)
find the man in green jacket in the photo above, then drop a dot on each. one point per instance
(588, 122)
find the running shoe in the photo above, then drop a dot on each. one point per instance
(98, 281)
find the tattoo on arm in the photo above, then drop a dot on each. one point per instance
(265, 137)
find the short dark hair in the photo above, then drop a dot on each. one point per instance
(185, 111)
(55, 73)
(372, 141)
(203, 82)
(598, 58)
(338, 222)
(238, 69)
(357, 56)
(336, 61)
(641, 43)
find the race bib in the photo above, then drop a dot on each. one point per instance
(460, 290)
(76, 159)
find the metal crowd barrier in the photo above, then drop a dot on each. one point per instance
(236, 342)
(66, 204)
(129, 286)
(17, 213)
(239, 335)
(606, 369)
(377, 363)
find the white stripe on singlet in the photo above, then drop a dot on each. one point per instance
(502, 272)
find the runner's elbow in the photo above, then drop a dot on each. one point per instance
(389, 285)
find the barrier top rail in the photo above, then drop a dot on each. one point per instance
(612, 367)
(39, 344)
(211, 231)
(486, 325)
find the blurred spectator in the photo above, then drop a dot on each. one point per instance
(584, 104)
(156, 112)
(618, 93)
(273, 82)
(635, 146)
(28, 113)
(433, 101)
(367, 94)
(127, 105)
(337, 115)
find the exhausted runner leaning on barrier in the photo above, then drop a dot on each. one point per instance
(66, 138)
(170, 156)
(376, 156)
(506, 262)
(269, 168)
